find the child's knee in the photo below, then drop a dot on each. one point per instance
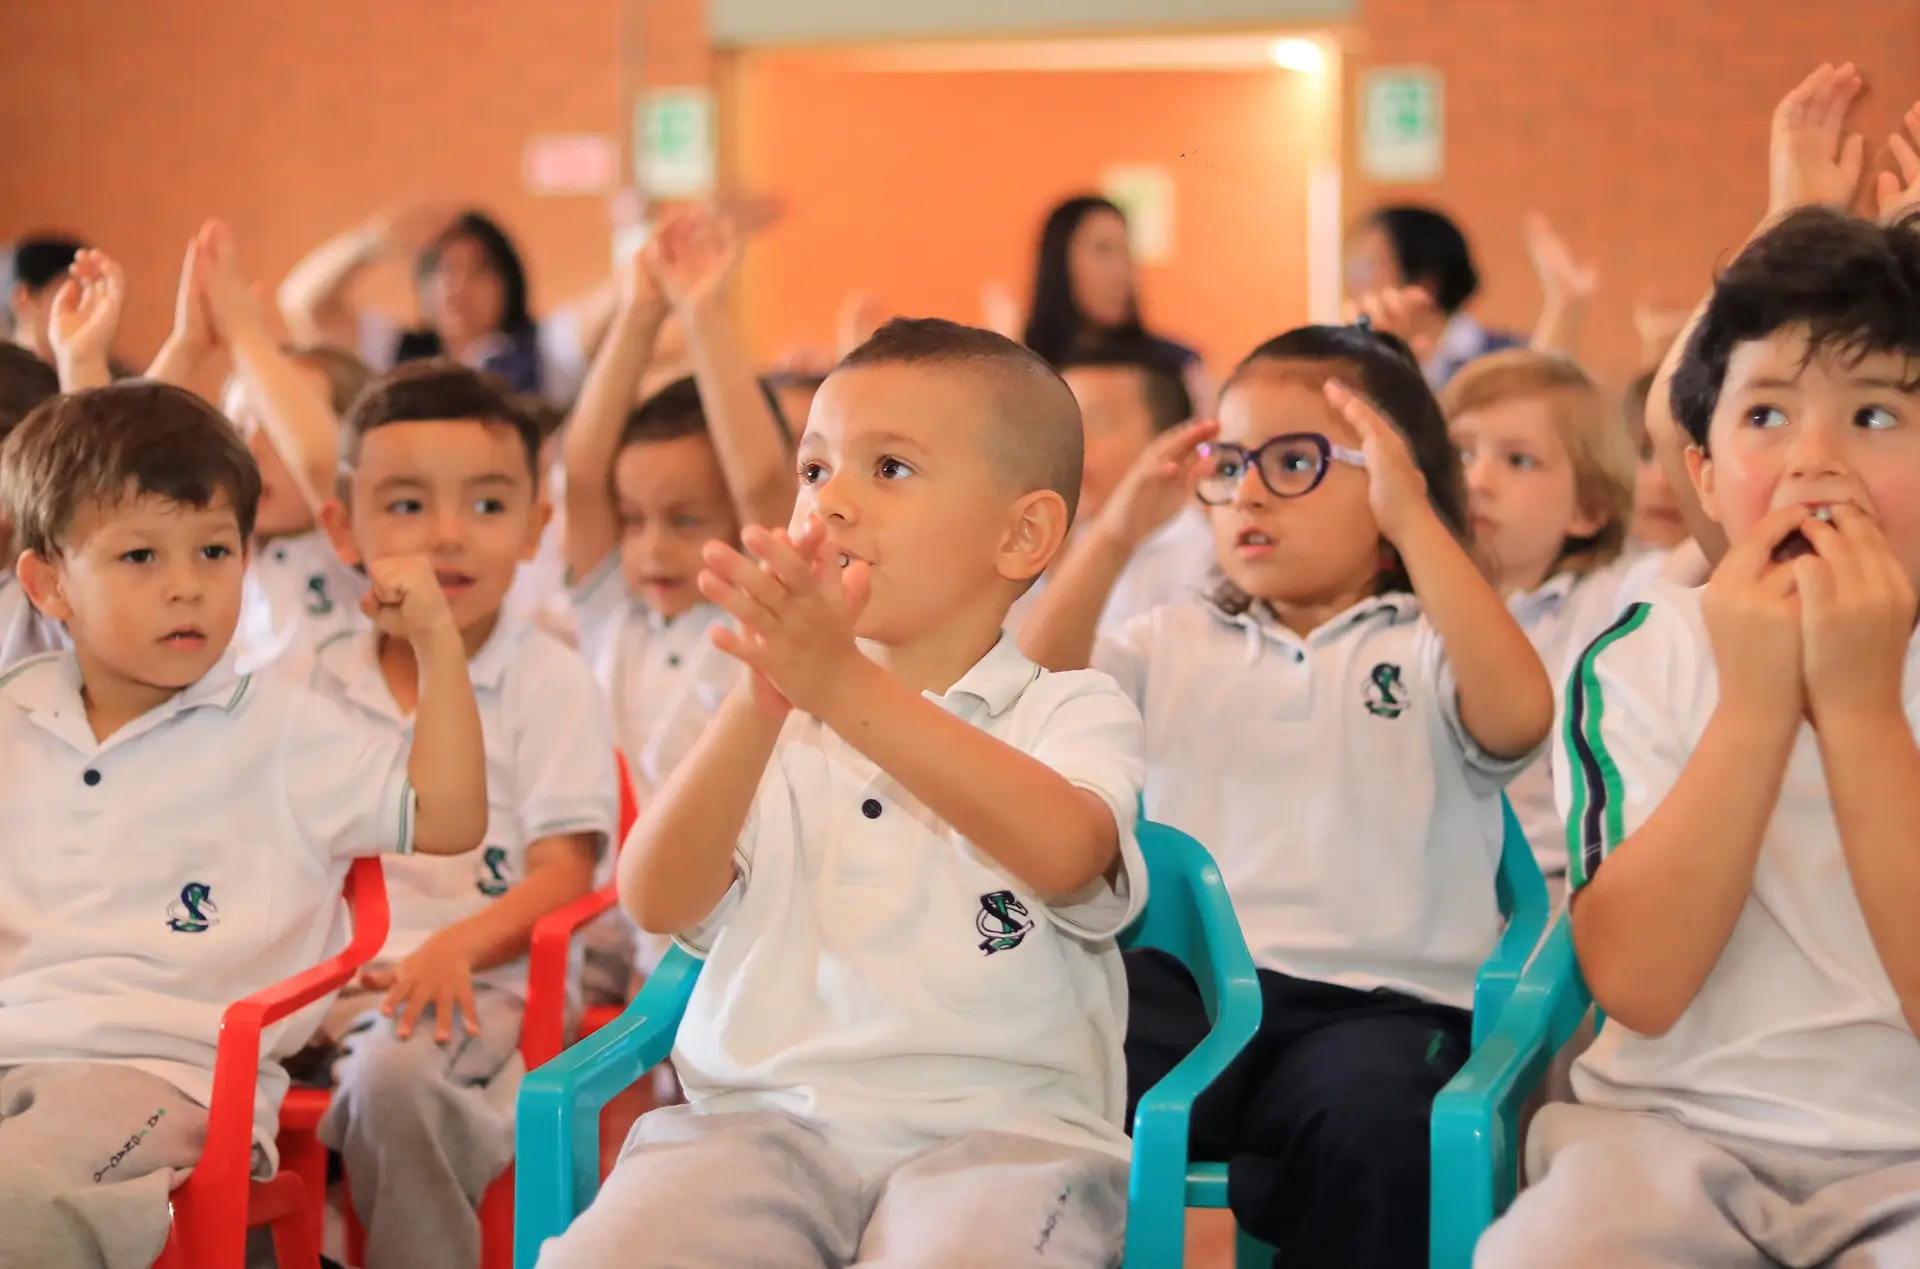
(389, 1079)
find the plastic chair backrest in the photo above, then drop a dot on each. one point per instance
(1522, 894)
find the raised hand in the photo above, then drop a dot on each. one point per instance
(1562, 279)
(84, 318)
(232, 301)
(860, 316)
(795, 604)
(1812, 159)
(404, 598)
(1899, 193)
(691, 257)
(1752, 609)
(1407, 312)
(1396, 488)
(1156, 486)
(1857, 609)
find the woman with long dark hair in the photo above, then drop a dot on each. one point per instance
(1086, 294)
(472, 291)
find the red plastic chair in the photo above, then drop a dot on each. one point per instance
(220, 1201)
(542, 1037)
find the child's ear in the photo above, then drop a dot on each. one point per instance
(338, 522)
(1036, 529)
(1700, 469)
(44, 585)
(1585, 523)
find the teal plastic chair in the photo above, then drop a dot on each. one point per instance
(1188, 916)
(1476, 1118)
(1522, 894)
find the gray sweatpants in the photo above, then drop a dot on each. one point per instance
(423, 1128)
(1617, 1190)
(89, 1152)
(699, 1191)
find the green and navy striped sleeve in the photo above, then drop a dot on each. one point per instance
(1605, 738)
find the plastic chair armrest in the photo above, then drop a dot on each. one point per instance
(1475, 1135)
(1223, 968)
(219, 1182)
(558, 1119)
(543, 1028)
(1523, 900)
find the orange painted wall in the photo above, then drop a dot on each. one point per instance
(1639, 126)
(131, 121)
(919, 187)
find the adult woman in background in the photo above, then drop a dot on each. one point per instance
(473, 301)
(1086, 295)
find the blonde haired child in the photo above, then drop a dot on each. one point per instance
(1550, 492)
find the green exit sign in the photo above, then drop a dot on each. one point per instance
(1401, 124)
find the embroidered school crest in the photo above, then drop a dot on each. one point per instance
(1386, 696)
(319, 603)
(1002, 922)
(494, 881)
(193, 912)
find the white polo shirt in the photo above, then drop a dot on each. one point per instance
(876, 974)
(550, 773)
(193, 858)
(665, 679)
(24, 632)
(1175, 565)
(297, 595)
(1356, 823)
(1797, 1036)
(1561, 619)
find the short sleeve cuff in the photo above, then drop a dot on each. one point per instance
(1105, 908)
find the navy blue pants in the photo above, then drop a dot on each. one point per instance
(1322, 1121)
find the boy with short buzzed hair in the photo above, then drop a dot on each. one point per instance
(1740, 773)
(177, 832)
(437, 460)
(25, 381)
(905, 859)
(1130, 398)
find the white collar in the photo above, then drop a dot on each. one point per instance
(996, 679)
(48, 687)
(352, 659)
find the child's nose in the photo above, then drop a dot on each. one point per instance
(833, 499)
(1251, 491)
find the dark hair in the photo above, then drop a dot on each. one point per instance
(1162, 387)
(669, 414)
(1054, 320)
(1383, 369)
(40, 259)
(117, 443)
(417, 391)
(1431, 251)
(1852, 284)
(1037, 436)
(25, 381)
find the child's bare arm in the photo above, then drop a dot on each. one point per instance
(1858, 611)
(1059, 633)
(678, 861)
(591, 439)
(439, 973)
(316, 295)
(692, 258)
(84, 319)
(797, 635)
(293, 409)
(1651, 923)
(1506, 698)
(447, 765)
(192, 340)
(1566, 289)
